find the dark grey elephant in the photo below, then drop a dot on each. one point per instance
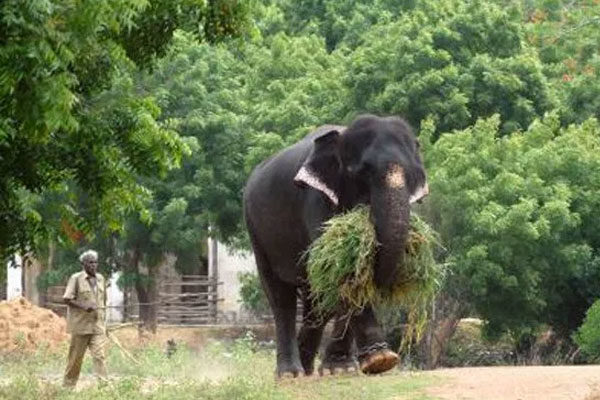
(287, 198)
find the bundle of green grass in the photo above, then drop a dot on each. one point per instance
(340, 269)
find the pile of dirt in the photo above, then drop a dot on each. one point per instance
(26, 327)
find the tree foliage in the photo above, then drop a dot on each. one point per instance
(588, 334)
(68, 108)
(516, 214)
(567, 36)
(340, 23)
(454, 60)
(252, 295)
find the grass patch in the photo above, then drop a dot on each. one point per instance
(235, 370)
(232, 371)
(341, 274)
(133, 388)
(396, 385)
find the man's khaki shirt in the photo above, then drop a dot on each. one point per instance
(81, 322)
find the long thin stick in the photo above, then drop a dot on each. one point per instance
(123, 350)
(113, 339)
(120, 326)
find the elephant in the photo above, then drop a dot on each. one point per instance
(374, 161)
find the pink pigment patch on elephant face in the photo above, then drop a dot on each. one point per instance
(395, 177)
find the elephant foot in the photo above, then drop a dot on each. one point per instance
(377, 359)
(289, 370)
(335, 363)
(308, 362)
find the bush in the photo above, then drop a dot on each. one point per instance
(252, 295)
(587, 336)
(469, 348)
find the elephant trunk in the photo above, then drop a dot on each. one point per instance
(390, 212)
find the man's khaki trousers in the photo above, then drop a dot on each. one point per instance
(79, 344)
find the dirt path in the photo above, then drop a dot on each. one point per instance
(518, 383)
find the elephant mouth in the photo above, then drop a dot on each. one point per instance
(419, 194)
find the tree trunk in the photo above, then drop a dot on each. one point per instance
(147, 294)
(445, 319)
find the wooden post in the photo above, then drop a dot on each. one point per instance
(213, 271)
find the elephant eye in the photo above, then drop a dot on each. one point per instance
(358, 169)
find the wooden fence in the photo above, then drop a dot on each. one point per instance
(193, 300)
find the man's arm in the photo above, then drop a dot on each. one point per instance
(89, 307)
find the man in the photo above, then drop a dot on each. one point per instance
(85, 296)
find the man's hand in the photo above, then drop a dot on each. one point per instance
(84, 305)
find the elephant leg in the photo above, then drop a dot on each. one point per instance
(309, 339)
(282, 299)
(374, 354)
(284, 310)
(339, 352)
(310, 334)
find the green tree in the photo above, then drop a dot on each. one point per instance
(517, 216)
(567, 36)
(565, 32)
(294, 86)
(201, 91)
(339, 23)
(69, 112)
(454, 60)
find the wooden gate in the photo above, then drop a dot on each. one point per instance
(192, 300)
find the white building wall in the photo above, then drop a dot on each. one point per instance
(226, 265)
(114, 299)
(14, 278)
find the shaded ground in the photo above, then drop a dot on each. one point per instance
(193, 336)
(516, 383)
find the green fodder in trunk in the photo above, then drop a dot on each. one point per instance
(341, 269)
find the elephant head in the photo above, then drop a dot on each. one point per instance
(374, 161)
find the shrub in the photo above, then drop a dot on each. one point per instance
(469, 348)
(252, 294)
(588, 334)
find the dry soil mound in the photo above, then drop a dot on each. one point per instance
(25, 327)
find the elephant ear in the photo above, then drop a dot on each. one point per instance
(321, 169)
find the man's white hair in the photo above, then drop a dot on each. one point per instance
(88, 254)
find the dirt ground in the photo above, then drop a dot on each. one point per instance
(192, 336)
(518, 383)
